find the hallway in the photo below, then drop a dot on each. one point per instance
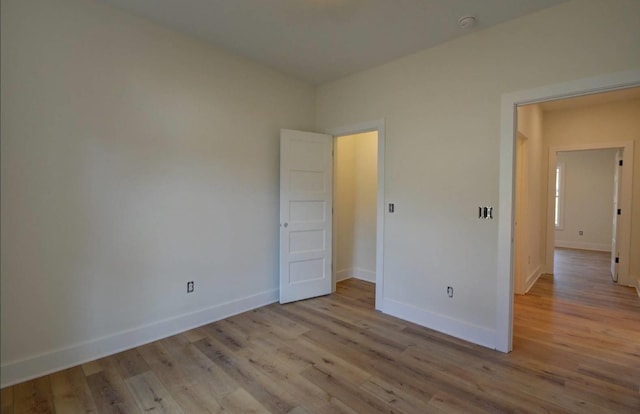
(579, 328)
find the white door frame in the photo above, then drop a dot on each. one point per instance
(508, 135)
(377, 125)
(624, 224)
(521, 248)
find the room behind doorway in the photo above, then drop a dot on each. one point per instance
(355, 206)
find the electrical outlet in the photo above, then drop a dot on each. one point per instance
(449, 291)
(581, 233)
(190, 287)
(485, 213)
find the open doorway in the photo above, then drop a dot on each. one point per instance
(355, 206)
(585, 181)
(355, 211)
(586, 196)
(373, 129)
(307, 243)
(569, 204)
(584, 199)
(510, 103)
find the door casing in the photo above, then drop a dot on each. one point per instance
(377, 125)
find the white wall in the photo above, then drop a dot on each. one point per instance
(344, 205)
(355, 206)
(530, 121)
(366, 191)
(134, 159)
(612, 122)
(588, 199)
(442, 114)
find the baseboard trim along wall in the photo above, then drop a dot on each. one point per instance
(599, 247)
(344, 274)
(450, 326)
(357, 273)
(43, 364)
(533, 278)
(366, 275)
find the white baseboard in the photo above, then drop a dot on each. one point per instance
(357, 273)
(344, 274)
(18, 371)
(363, 274)
(600, 247)
(454, 327)
(533, 278)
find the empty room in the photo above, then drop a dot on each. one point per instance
(178, 233)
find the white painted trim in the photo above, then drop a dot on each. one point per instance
(364, 274)
(441, 323)
(586, 86)
(377, 125)
(568, 244)
(356, 273)
(344, 274)
(533, 278)
(35, 366)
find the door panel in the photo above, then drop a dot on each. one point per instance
(306, 165)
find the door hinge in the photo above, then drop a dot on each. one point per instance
(620, 163)
(619, 211)
(617, 260)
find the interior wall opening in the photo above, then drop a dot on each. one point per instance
(355, 208)
(584, 199)
(568, 179)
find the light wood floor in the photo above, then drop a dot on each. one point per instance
(576, 349)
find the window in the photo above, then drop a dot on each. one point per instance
(559, 201)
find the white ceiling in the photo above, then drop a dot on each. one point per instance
(321, 40)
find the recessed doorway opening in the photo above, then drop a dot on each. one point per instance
(511, 103)
(358, 207)
(354, 206)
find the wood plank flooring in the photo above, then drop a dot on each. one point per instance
(576, 350)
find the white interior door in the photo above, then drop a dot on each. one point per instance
(614, 231)
(306, 166)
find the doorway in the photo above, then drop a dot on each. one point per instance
(505, 258)
(587, 189)
(616, 184)
(584, 199)
(355, 206)
(375, 130)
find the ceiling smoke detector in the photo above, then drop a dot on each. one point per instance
(467, 22)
